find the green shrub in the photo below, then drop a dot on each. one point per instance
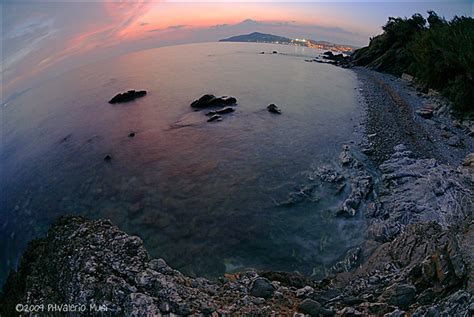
(439, 53)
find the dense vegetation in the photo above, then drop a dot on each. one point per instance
(439, 53)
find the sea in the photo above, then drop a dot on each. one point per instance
(208, 197)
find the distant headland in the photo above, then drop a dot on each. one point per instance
(258, 37)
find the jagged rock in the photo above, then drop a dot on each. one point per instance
(468, 160)
(213, 101)
(108, 158)
(420, 190)
(86, 261)
(273, 109)
(361, 186)
(350, 261)
(400, 295)
(345, 157)
(127, 96)
(396, 313)
(305, 291)
(349, 312)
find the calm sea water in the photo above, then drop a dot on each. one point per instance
(204, 196)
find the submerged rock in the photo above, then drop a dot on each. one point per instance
(213, 101)
(215, 117)
(221, 111)
(273, 109)
(127, 96)
(108, 158)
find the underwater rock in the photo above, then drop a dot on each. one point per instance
(215, 117)
(221, 111)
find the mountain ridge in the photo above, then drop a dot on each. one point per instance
(258, 37)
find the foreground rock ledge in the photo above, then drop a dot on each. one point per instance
(92, 262)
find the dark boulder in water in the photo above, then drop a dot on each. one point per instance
(107, 158)
(275, 52)
(213, 101)
(128, 96)
(273, 109)
(221, 111)
(335, 59)
(131, 134)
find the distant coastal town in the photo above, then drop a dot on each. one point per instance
(258, 37)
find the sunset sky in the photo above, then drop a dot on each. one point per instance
(42, 38)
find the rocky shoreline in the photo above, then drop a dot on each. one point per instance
(416, 258)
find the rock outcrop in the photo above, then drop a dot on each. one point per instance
(208, 100)
(127, 96)
(419, 191)
(273, 109)
(417, 259)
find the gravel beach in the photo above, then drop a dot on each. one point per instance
(391, 120)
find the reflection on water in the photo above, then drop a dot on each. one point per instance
(204, 196)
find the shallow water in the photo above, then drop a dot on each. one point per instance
(204, 196)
